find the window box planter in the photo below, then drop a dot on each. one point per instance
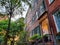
(35, 38)
(40, 40)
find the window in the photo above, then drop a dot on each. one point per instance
(31, 34)
(30, 23)
(44, 26)
(32, 19)
(50, 1)
(36, 15)
(56, 17)
(33, 3)
(38, 30)
(35, 31)
(42, 7)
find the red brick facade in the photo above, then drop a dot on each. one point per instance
(47, 15)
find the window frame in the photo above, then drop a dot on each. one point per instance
(43, 8)
(35, 29)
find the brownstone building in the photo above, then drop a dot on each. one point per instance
(44, 18)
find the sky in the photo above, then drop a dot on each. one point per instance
(24, 14)
(3, 10)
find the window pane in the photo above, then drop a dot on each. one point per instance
(45, 26)
(33, 3)
(56, 17)
(36, 31)
(36, 15)
(30, 34)
(42, 7)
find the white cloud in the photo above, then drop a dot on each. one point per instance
(2, 9)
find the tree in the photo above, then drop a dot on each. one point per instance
(10, 6)
(22, 38)
(3, 27)
(1, 39)
(15, 29)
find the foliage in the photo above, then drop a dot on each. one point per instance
(3, 28)
(3, 24)
(11, 6)
(16, 28)
(46, 35)
(14, 4)
(22, 39)
(35, 37)
(1, 38)
(38, 37)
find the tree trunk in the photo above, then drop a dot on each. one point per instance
(5, 43)
(0, 43)
(7, 31)
(12, 42)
